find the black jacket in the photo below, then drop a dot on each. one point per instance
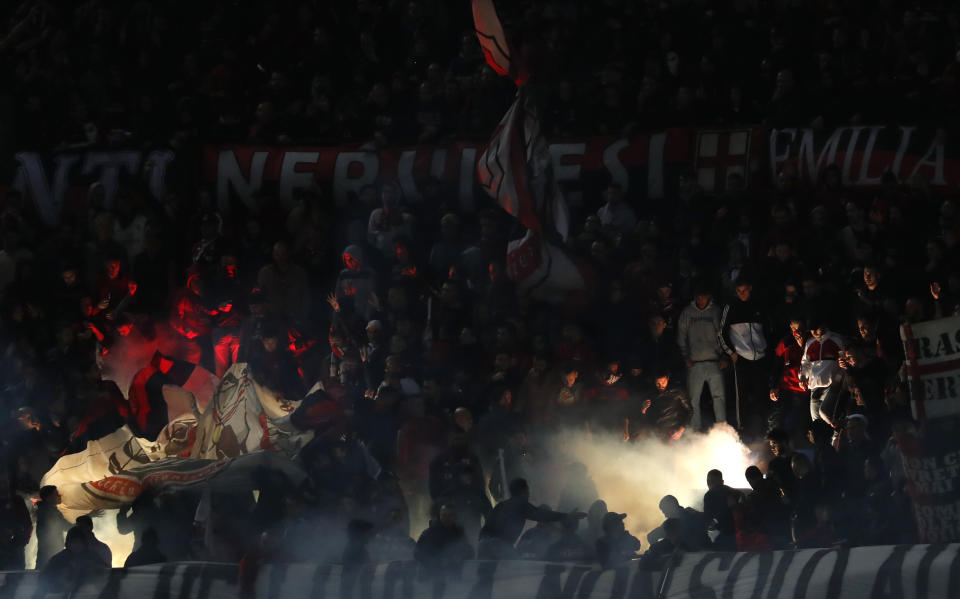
(507, 520)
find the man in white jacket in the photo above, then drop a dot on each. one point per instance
(697, 330)
(820, 371)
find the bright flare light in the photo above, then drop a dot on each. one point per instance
(632, 478)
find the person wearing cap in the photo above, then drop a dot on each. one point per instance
(820, 371)
(617, 546)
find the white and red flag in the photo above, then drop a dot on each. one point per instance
(516, 170)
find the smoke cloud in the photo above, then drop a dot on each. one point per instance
(633, 477)
(121, 545)
(133, 352)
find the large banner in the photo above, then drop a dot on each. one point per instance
(241, 418)
(930, 454)
(917, 571)
(637, 163)
(647, 164)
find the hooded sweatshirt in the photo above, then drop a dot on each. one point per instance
(697, 333)
(819, 366)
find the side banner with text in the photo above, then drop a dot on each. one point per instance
(933, 366)
(931, 455)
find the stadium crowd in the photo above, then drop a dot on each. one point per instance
(775, 309)
(102, 74)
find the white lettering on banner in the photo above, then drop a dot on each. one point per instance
(848, 155)
(921, 571)
(778, 158)
(864, 178)
(827, 156)
(936, 152)
(405, 176)
(291, 178)
(611, 161)
(229, 175)
(32, 180)
(931, 467)
(812, 153)
(109, 165)
(156, 165)
(563, 172)
(343, 184)
(906, 133)
(918, 571)
(933, 366)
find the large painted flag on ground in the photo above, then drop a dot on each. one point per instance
(240, 418)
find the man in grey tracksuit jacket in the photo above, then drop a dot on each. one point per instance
(697, 330)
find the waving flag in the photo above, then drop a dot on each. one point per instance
(516, 170)
(493, 42)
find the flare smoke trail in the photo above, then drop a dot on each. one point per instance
(105, 529)
(632, 478)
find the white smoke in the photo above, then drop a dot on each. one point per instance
(105, 529)
(128, 355)
(633, 477)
